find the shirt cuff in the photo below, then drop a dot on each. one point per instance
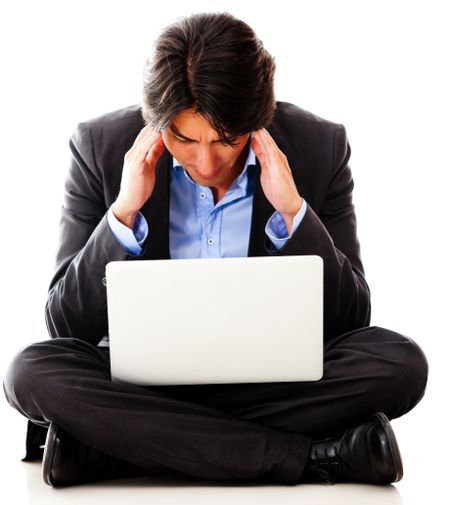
(276, 227)
(130, 240)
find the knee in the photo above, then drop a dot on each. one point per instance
(20, 378)
(408, 375)
(27, 370)
(414, 370)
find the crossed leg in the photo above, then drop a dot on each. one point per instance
(368, 370)
(219, 431)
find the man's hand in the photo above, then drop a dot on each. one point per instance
(276, 177)
(138, 175)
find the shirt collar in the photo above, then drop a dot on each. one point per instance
(241, 180)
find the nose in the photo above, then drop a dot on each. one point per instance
(205, 160)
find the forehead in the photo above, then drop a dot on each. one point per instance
(190, 119)
(192, 126)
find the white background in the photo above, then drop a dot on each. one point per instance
(380, 68)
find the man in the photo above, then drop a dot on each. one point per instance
(211, 165)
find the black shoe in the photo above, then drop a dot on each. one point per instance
(66, 462)
(366, 453)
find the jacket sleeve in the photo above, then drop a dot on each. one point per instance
(76, 303)
(332, 234)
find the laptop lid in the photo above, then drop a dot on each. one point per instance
(216, 320)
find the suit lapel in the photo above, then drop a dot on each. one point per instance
(156, 211)
(262, 209)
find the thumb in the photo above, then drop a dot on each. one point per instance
(155, 151)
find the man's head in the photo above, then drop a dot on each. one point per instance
(196, 145)
(211, 80)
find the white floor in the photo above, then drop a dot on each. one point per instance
(420, 435)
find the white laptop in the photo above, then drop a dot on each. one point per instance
(216, 320)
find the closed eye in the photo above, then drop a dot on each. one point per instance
(184, 141)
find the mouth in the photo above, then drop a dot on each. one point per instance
(209, 176)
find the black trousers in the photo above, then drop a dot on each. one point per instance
(246, 431)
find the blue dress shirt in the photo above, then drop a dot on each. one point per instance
(198, 228)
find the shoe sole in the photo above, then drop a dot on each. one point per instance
(393, 446)
(49, 454)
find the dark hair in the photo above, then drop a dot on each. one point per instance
(215, 64)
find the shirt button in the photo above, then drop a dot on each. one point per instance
(202, 195)
(210, 241)
(104, 281)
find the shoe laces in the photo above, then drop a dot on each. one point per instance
(325, 459)
(322, 473)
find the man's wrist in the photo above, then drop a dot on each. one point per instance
(125, 217)
(289, 218)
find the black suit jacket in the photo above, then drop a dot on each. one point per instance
(318, 154)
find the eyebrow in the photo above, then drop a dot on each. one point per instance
(177, 132)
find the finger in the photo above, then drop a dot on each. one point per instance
(269, 140)
(145, 134)
(148, 137)
(264, 146)
(140, 152)
(255, 142)
(147, 142)
(277, 153)
(142, 134)
(155, 152)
